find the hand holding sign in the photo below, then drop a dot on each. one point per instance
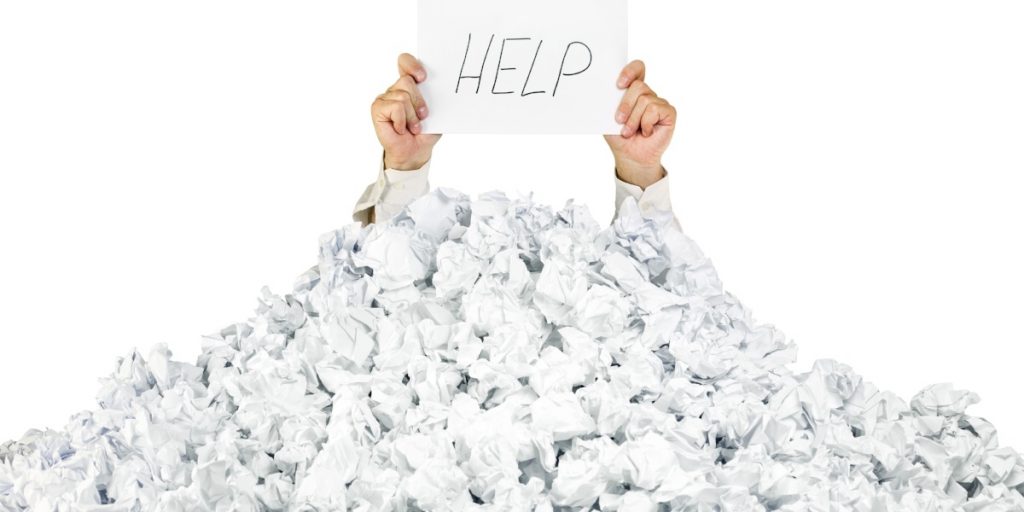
(648, 125)
(398, 115)
(495, 84)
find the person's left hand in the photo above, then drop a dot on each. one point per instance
(648, 124)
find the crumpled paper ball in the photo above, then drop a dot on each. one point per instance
(501, 355)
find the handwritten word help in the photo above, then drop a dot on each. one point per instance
(575, 60)
(543, 67)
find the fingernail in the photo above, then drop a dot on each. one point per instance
(622, 82)
(626, 132)
(416, 128)
(620, 117)
(421, 75)
(422, 112)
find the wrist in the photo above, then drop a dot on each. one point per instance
(405, 164)
(640, 175)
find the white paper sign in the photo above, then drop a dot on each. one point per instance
(529, 66)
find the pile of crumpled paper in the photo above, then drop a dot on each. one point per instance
(500, 355)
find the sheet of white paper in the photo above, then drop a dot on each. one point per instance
(532, 66)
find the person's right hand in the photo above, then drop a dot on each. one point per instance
(397, 115)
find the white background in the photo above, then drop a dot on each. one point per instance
(853, 168)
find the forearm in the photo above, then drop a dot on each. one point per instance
(654, 198)
(639, 175)
(391, 193)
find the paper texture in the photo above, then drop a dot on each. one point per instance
(531, 66)
(500, 355)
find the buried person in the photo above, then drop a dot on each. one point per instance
(648, 122)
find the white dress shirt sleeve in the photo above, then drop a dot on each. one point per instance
(654, 199)
(393, 191)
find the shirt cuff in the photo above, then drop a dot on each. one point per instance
(655, 198)
(653, 201)
(391, 193)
